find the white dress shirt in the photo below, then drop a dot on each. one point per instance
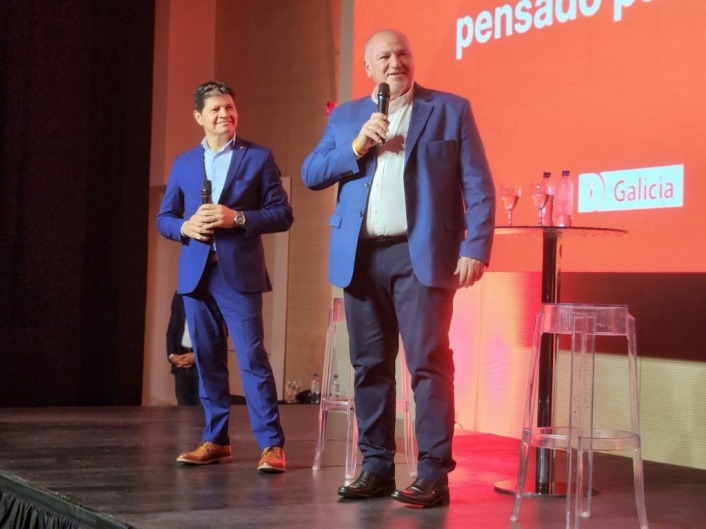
(386, 212)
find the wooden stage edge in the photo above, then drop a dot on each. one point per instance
(115, 468)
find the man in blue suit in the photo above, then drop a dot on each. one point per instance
(413, 222)
(220, 198)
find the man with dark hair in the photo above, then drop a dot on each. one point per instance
(209, 89)
(413, 222)
(180, 354)
(220, 198)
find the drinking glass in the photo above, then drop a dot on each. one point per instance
(510, 194)
(539, 197)
(292, 389)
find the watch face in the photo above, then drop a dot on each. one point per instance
(240, 220)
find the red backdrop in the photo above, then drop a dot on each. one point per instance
(618, 85)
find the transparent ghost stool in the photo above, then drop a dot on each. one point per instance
(579, 438)
(345, 403)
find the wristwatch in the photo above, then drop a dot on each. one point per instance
(239, 220)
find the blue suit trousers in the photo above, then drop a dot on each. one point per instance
(242, 313)
(384, 301)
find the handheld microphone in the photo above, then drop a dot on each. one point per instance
(383, 97)
(206, 191)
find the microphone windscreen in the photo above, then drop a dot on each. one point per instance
(383, 97)
(206, 191)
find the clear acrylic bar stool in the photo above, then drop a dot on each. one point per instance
(345, 403)
(404, 406)
(579, 438)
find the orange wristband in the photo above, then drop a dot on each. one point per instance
(358, 149)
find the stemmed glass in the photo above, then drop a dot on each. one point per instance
(292, 389)
(539, 197)
(510, 194)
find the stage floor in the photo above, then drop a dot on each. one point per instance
(115, 467)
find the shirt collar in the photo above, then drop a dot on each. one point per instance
(404, 100)
(230, 145)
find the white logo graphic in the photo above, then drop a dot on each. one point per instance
(646, 188)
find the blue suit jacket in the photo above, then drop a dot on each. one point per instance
(449, 191)
(252, 185)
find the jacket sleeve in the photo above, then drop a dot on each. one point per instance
(478, 192)
(275, 213)
(171, 212)
(333, 159)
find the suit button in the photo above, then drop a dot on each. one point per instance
(361, 213)
(367, 184)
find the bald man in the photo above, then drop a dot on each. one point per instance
(413, 222)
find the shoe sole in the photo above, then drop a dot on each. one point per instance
(267, 469)
(440, 501)
(226, 459)
(381, 492)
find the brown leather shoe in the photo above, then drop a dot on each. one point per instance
(272, 460)
(205, 454)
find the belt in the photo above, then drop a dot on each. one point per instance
(212, 257)
(187, 349)
(384, 240)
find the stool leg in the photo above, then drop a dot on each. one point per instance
(580, 419)
(584, 482)
(584, 494)
(410, 439)
(638, 476)
(328, 359)
(529, 417)
(321, 439)
(410, 445)
(585, 326)
(351, 444)
(573, 498)
(521, 476)
(639, 485)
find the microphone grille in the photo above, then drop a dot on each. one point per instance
(384, 89)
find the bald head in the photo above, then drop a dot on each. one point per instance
(388, 59)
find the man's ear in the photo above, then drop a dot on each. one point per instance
(198, 118)
(368, 70)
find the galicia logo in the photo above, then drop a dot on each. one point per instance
(646, 188)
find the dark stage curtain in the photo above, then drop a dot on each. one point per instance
(75, 112)
(18, 514)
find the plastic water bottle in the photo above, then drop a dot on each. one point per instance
(315, 397)
(564, 199)
(335, 387)
(547, 210)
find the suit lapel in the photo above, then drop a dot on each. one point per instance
(366, 108)
(239, 150)
(421, 110)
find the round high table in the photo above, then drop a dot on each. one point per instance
(544, 483)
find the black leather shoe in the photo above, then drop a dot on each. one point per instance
(424, 493)
(368, 485)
